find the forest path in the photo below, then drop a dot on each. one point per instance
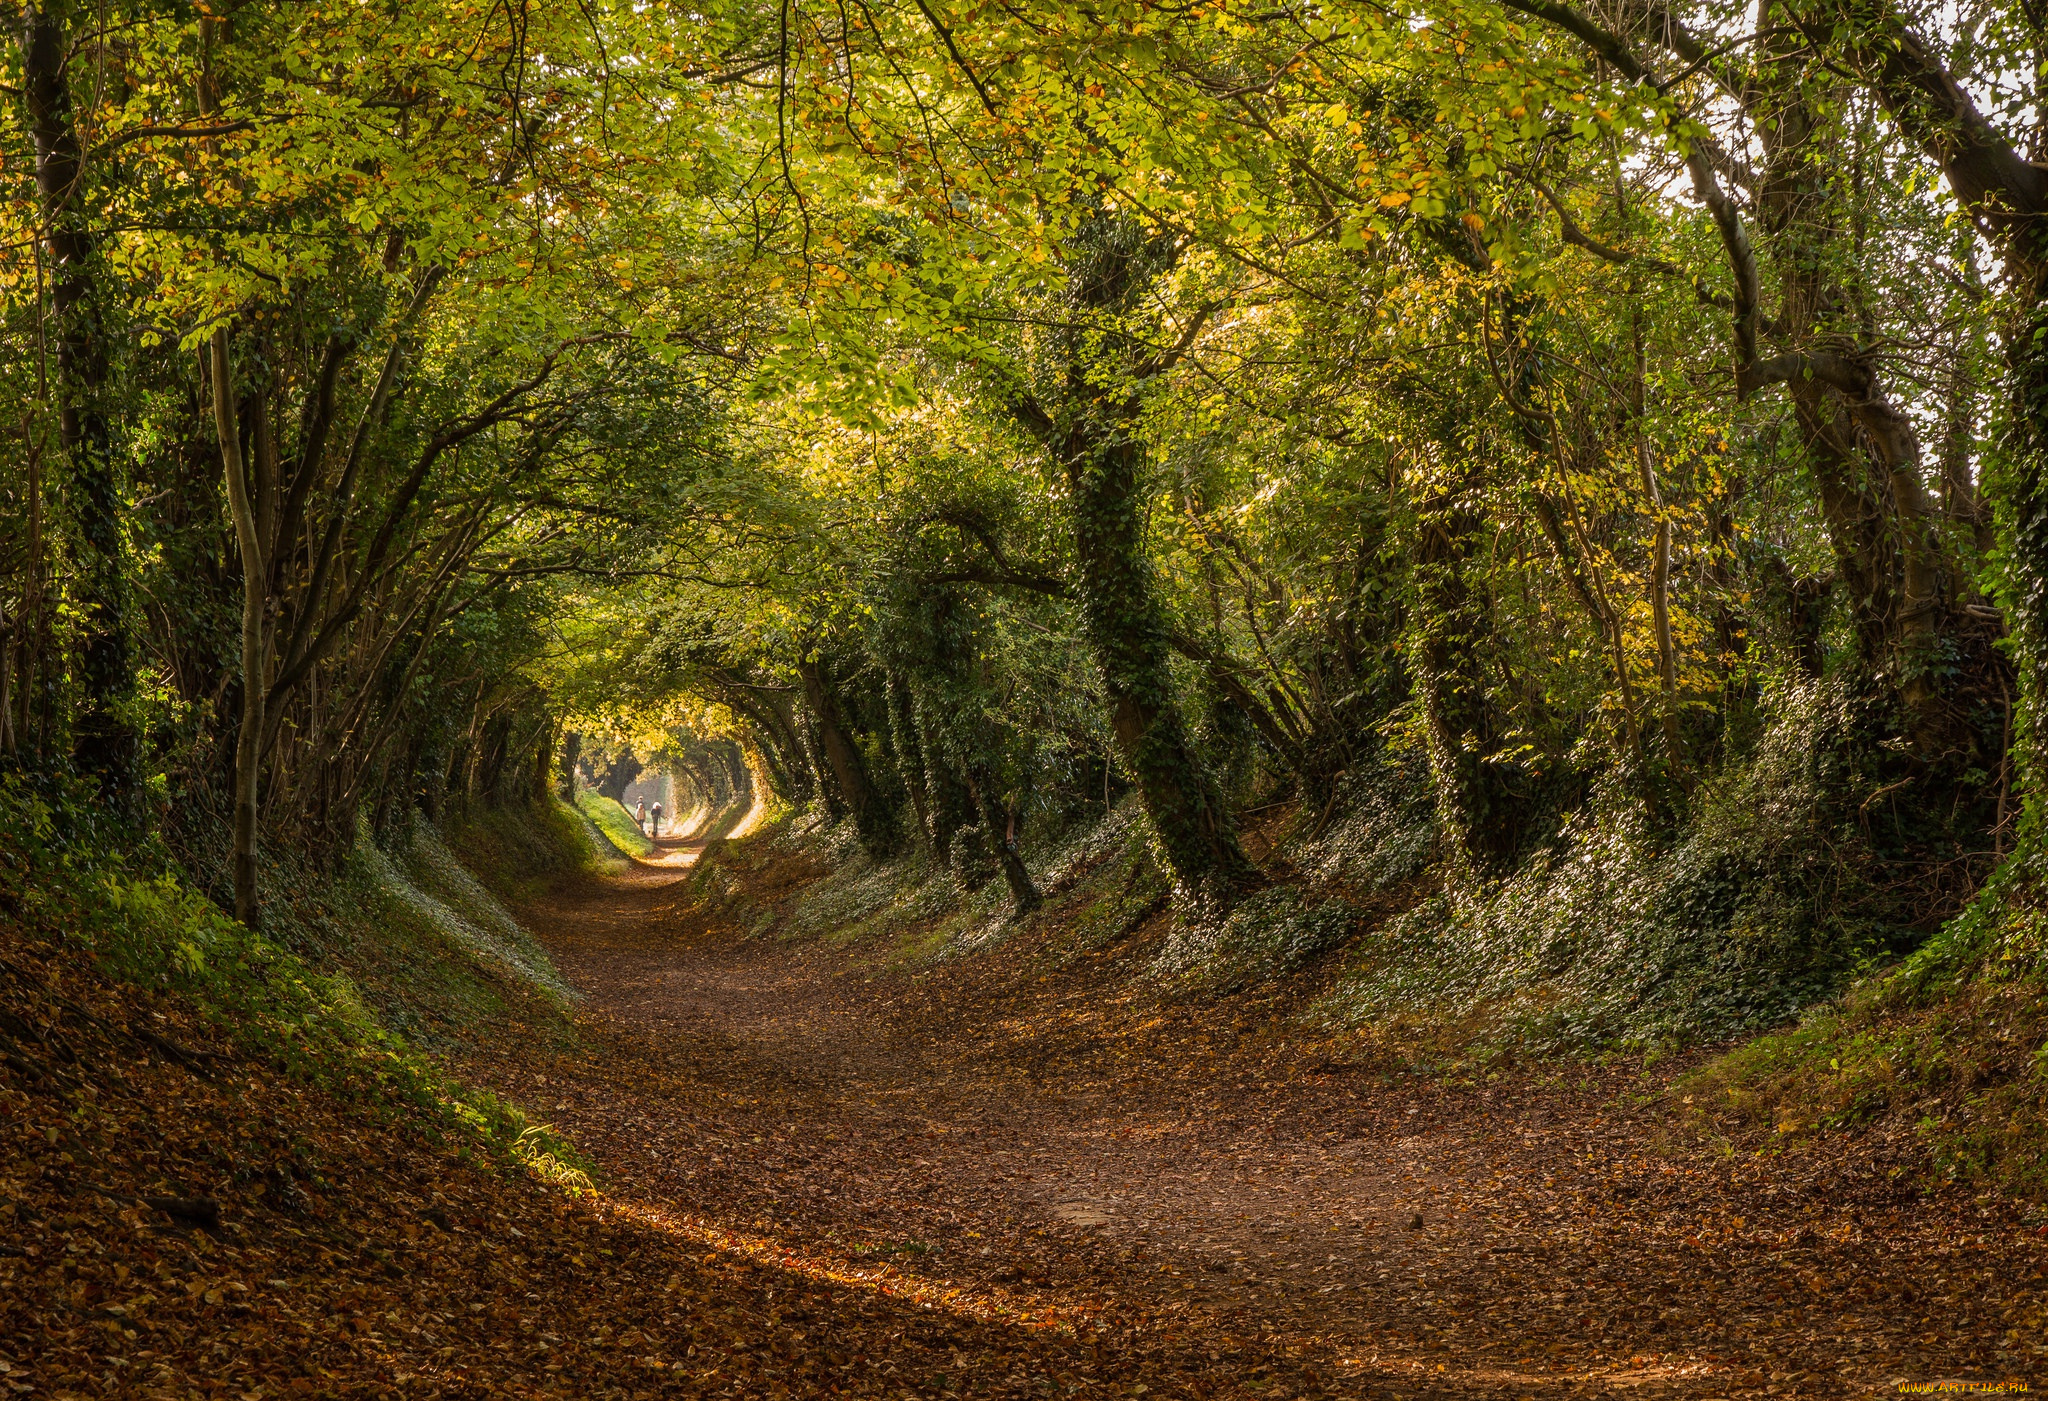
(1007, 1138)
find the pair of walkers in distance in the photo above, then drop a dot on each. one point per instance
(640, 816)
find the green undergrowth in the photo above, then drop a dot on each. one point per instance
(717, 826)
(312, 995)
(1268, 935)
(1951, 1043)
(1115, 880)
(543, 1152)
(605, 857)
(614, 823)
(1769, 908)
(1609, 937)
(439, 954)
(1607, 944)
(1101, 880)
(1613, 937)
(519, 853)
(912, 901)
(913, 909)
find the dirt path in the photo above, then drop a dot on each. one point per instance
(1003, 1137)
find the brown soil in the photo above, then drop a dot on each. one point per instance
(1048, 1143)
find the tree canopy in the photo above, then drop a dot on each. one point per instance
(1584, 421)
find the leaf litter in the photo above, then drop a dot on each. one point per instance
(1011, 1175)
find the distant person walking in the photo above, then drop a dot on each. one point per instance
(657, 820)
(640, 814)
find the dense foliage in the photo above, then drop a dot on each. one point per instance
(1592, 462)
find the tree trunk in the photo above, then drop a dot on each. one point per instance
(910, 755)
(1024, 896)
(1127, 632)
(1731, 626)
(742, 775)
(778, 769)
(1475, 803)
(781, 752)
(2025, 479)
(104, 743)
(1959, 499)
(951, 805)
(783, 730)
(1660, 566)
(255, 658)
(488, 775)
(2007, 195)
(572, 751)
(829, 791)
(7, 627)
(619, 777)
(537, 786)
(1111, 262)
(1863, 451)
(871, 815)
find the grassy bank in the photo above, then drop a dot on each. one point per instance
(350, 987)
(520, 852)
(1948, 1047)
(614, 822)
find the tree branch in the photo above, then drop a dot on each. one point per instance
(946, 36)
